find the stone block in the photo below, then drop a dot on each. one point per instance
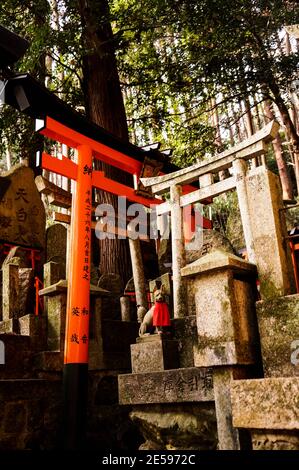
(56, 241)
(35, 327)
(171, 386)
(7, 326)
(278, 321)
(223, 289)
(270, 403)
(53, 272)
(56, 322)
(154, 353)
(10, 291)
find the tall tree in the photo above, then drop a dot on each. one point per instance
(104, 106)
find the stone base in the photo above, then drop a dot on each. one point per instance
(186, 426)
(278, 321)
(154, 353)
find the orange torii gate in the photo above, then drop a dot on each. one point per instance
(78, 299)
(76, 343)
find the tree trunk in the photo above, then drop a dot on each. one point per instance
(287, 190)
(289, 126)
(105, 107)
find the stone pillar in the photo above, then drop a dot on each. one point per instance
(52, 273)
(226, 325)
(138, 272)
(228, 436)
(240, 169)
(125, 308)
(10, 298)
(178, 253)
(267, 222)
(10, 291)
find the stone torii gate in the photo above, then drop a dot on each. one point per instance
(259, 203)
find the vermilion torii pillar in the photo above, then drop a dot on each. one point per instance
(75, 374)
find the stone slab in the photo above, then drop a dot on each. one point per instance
(171, 386)
(154, 355)
(278, 321)
(270, 403)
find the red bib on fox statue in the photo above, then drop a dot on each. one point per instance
(161, 315)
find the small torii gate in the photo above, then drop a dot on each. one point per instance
(235, 157)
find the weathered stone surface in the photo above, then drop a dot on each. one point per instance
(26, 291)
(111, 306)
(275, 440)
(125, 308)
(278, 321)
(228, 436)
(266, 403)
(56, 322)
(35, 327)
(164, 256)
(22, 214)
(185, 332)
(212, 240)
(19, 256)
(179, 427)
(154, 353)
(218, 259)
(53, 273)
(269, 231)
(226, 321)
(171, 386)
(10, 291)
(56, 240)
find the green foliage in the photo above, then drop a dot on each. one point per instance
(173, 57)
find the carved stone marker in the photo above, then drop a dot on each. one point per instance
(22, 214)
(171, 386)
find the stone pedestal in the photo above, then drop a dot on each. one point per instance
(223, 285)
(56, 295)
(154, 353)
(224, 290)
